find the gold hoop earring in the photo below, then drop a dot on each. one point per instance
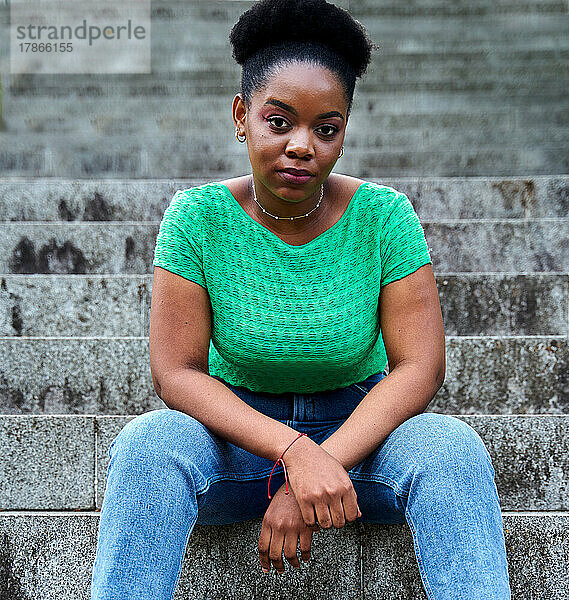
(237, 136)
(341, 152)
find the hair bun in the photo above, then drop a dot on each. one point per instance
(271, 22)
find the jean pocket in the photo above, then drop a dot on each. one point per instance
(360, 388)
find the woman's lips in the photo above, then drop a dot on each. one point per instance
(294, 178)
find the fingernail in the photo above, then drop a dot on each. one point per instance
(265, 570)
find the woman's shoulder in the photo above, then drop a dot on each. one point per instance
(354, 183)
(196, 199)
(383, 198)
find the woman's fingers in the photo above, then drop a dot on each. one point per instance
(289, 548)
(305, 544)
(264, 544)
(308, 514)
(276, 550)
(323, 515)
(351, 509)
(272, 545)
(334, 514)
(337, 513)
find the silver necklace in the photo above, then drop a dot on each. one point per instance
(287, 218)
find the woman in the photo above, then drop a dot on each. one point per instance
(270, 291)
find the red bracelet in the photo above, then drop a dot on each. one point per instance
(280, 460)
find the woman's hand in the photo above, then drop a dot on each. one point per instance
(282, 529)
(321, 485)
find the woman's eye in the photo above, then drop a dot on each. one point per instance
(277, 122)
(331, 130)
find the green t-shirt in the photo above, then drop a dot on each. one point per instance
(292, 318)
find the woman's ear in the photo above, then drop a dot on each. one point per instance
(239, 110)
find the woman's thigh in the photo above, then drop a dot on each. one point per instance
(230, 483)
(439, 447)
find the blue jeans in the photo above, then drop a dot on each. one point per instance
(168, 472)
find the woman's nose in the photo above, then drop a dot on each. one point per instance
(300, 145)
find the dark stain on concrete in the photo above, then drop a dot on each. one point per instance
(129, 248)
(61, 259)
(63, 211)
(527, 310)
(90, 91)
(17, 322)
(162, 12)
(60, 398)
(517, 193)
(142, 292)
(23, 259)
(544, 261)
(562, 194)
(11, 400)
(10, 586)
(102, 393)
(96, 209)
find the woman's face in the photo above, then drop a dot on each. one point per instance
(297, 121)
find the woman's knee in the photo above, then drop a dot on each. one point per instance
(448, 442)
(154, 432)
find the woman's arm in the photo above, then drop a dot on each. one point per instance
(180, 329)
(412, 329)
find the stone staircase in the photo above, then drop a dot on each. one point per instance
(76, 263)
(475, 87)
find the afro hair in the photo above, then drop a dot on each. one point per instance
(276, 31)
(270, 22)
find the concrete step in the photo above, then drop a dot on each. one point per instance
(219, 9)
(223, 11)
(175, 157)
(503, 246)
(112, 116)
(435, 39)
(189, 43)
(439, 8)
(119, 305)
(541, 74)
(514, 246)
(60, 462)
(472, 130)
(49, 556)
(111, 375)
(445, 33)
(107, 129)
(544, 81)
(183, 47)
(545, 159)
(172, 89)
(47, 199)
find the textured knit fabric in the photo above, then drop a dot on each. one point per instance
(292, 318)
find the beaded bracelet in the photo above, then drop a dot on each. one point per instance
(280, 460)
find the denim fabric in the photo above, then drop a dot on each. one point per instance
(168, 472)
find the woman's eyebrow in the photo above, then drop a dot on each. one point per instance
(332, 113)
